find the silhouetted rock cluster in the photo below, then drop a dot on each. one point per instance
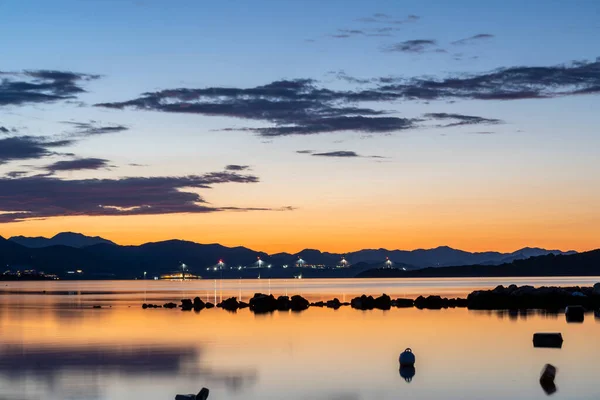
(437, 302)
(528, 297)
(513, 297)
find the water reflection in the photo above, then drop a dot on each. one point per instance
(58, 347)
(407, 373)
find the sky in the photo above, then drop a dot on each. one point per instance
(279, 126)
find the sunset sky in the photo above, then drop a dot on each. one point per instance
(336, 125)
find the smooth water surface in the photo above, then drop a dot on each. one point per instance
(53, 345)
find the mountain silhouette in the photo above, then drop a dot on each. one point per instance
(70, 239)
(576, 264)
(99, 257)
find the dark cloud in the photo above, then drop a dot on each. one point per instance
(46, 196)
(305, 151)
(16, 174)
(338, 154)
(337, 124)
(512, 83)
(235, 167)
(93, 128)
(381, 18)
(461, 120)
(18, 88)
(4, 129)
(28, 147)
(474, 39)
(341, 75)
(78, 164)
(296, 107)
(413, 46)
(301, 107)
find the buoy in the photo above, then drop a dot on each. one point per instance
(407, 358)
(407, 373)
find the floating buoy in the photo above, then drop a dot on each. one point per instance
(407, 358)
(575, 313)
(407, 373)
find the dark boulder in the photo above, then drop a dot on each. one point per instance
(383, 302)
(283, 303)
(575, 314)
(431, 302)
(262, 303)
(198, 304)
(144, 306)
(299, 303)
(403, 303)
(552, 340)
(363, 302)
(317, 304)
(209, 305)
(243, 305)
(231, 304)
(335, 303)
(170, 305)
(547, 379)
(186, 305)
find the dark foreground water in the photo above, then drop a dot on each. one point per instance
(53, 345)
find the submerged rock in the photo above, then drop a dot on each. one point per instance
(262, 303)
(403, 303)
(231, 304)
(552, 340)
(575, 314)
(202, 395)
(299, 303)
(186, 305)
(547, 379)
(198, 304)
(335, 303)
(170, 305)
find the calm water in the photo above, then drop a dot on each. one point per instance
(54, 346)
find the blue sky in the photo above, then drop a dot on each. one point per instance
(539, 149)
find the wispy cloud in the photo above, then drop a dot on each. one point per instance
(474, 39)
(47, 196)
(41, 86)
(79, 164)
(461, 119)
(235, 167)
(414, 46)
(28, 147)
(93, 128)
(336, 154)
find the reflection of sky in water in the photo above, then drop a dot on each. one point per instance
(60, 351)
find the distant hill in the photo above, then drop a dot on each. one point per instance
(62, 239)
(578, 264)
(99, 257)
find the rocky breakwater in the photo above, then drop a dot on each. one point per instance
(262, 303)
(529, 297)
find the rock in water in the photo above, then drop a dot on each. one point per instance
(596, 290)
(407, 358)
(575, 313)
(547, 379)
(553, 340)
(299, 303)
(186, 305)
(202, 395)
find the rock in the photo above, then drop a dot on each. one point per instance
(231, 304)
(198, 304)
(547, 379)
(262, 303)
(97, 307)
(431, 302)
(170, 305)
(575, 314)
(363, 302)
(383, 302)
(317, 304)
(596, 289)
(578, 294)
(209, 305)
(144, 306)
(552, 340)
(407, 358)
(299, 303)
(202, 395)
(335, 303)
(186, 305)
(283, 303)
(403, 303)
(243, 305)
